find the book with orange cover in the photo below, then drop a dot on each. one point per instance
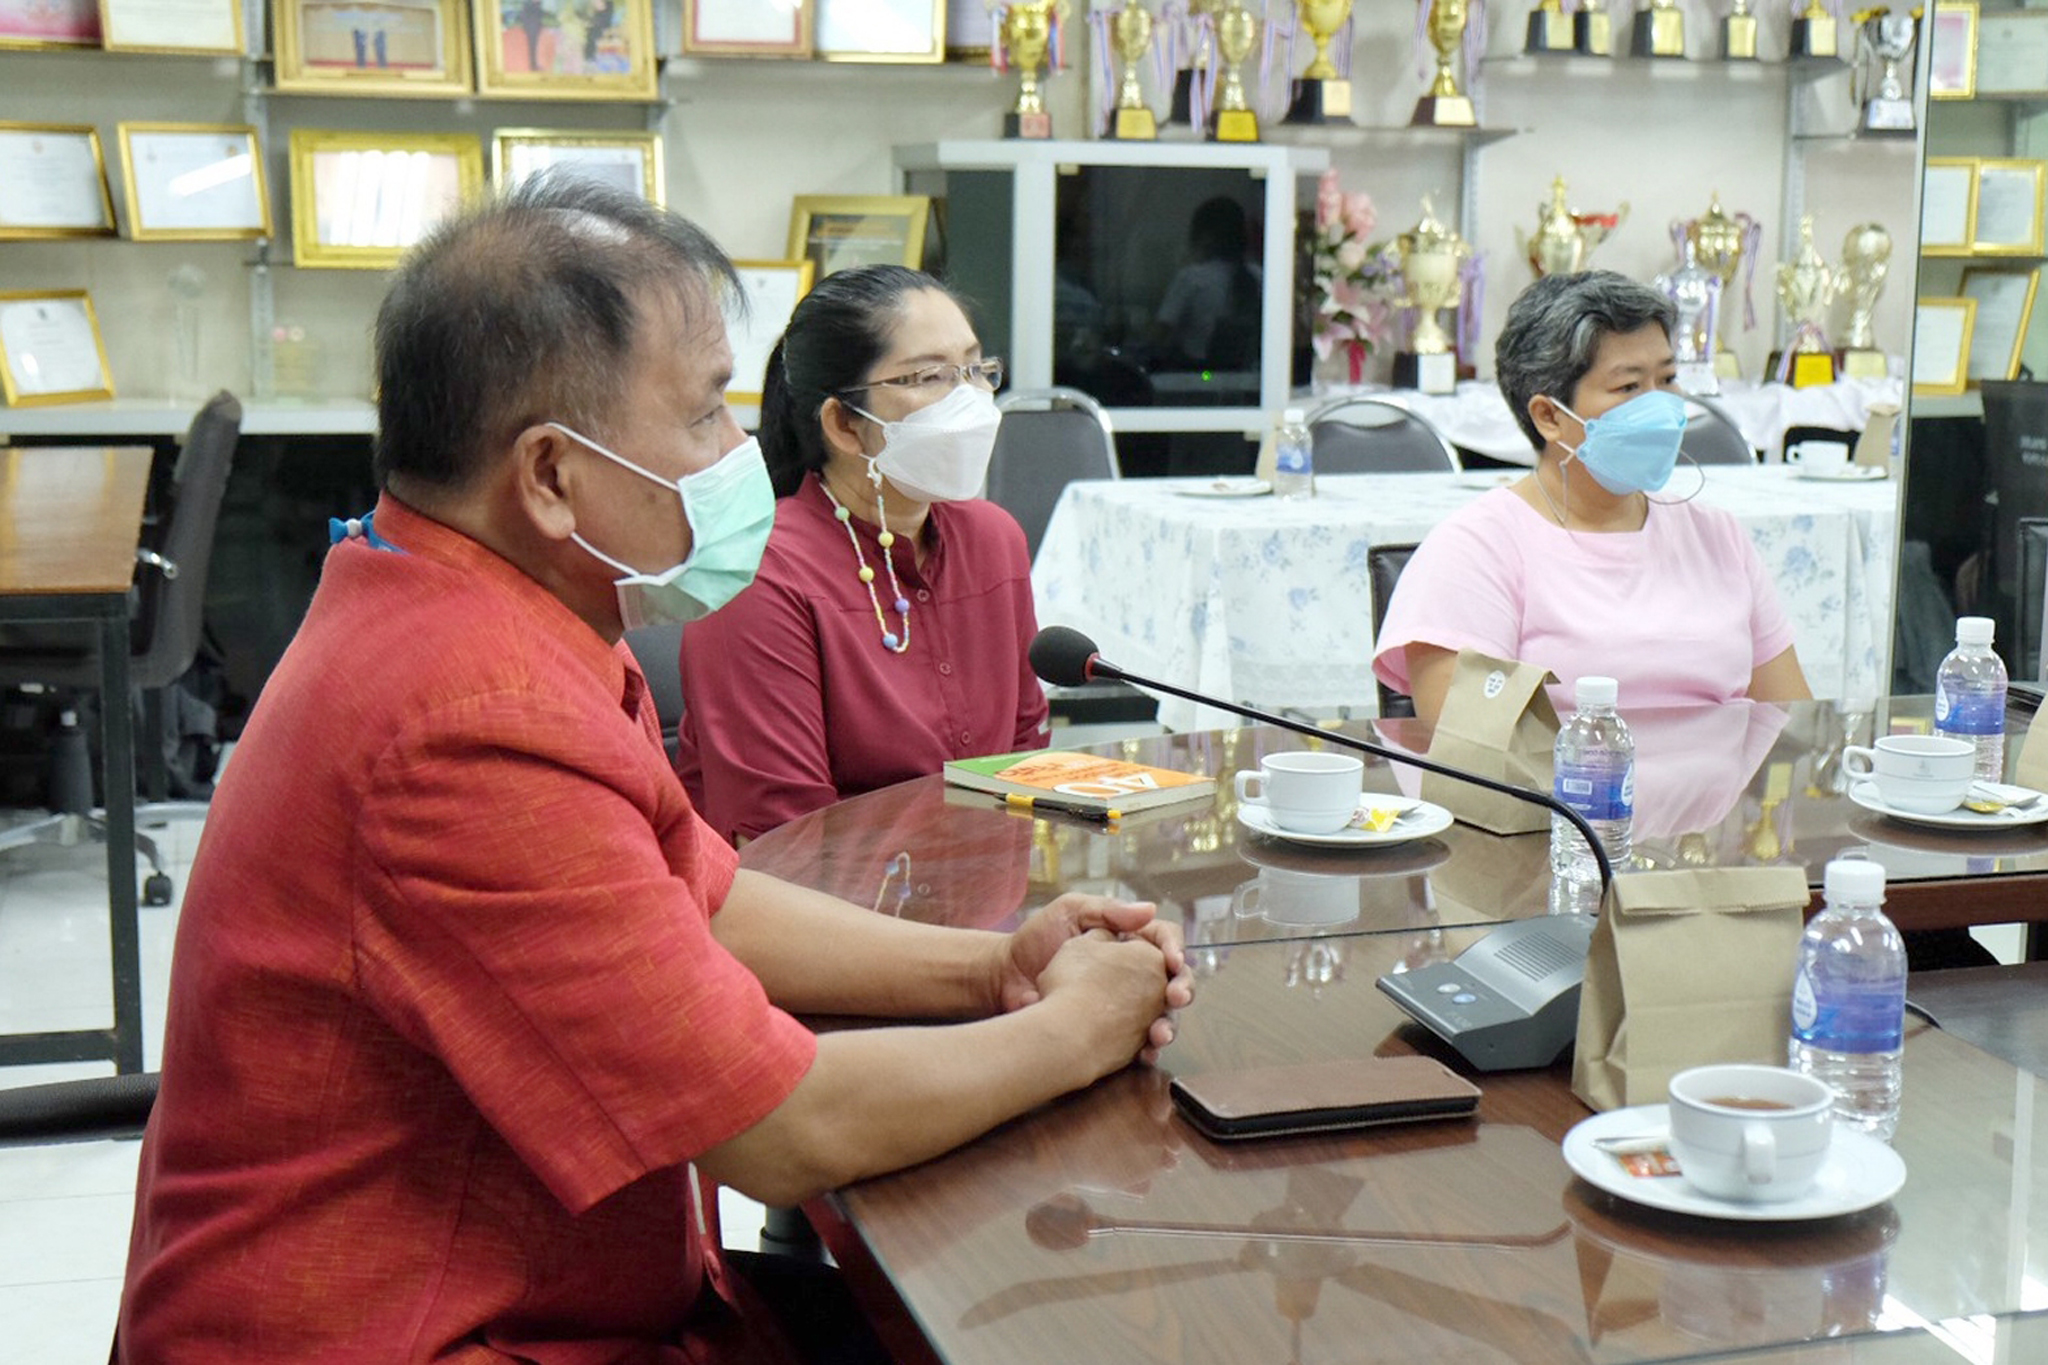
(1079, 779)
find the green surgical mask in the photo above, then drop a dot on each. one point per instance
(729, 507)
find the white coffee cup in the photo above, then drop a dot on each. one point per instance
(1919, 774)
(1756, 1134)
(1305, 791)
(1819, 457)
(1283, 896)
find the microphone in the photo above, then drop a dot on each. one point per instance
(1065, 657)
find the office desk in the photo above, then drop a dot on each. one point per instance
(70, 519)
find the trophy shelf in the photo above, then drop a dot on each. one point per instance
(1359, 135)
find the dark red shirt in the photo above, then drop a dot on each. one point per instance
(790, 701)
(447, 1020)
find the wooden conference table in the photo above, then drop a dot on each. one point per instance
(70, 519)
(1103, 1228)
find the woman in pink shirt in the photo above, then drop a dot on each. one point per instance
(1577, 567)
(886, 629)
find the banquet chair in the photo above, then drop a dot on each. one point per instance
(1711, 435)
(1375, 436)
(1384, 564)
(658, 651)
(167, 604)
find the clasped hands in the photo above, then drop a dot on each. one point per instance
(1120, 951)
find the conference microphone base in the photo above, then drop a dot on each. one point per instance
(1508, 1002)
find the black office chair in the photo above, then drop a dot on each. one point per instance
(1377, 436)
(1384, 564)
(77, 1111)
(658, 650)
(169, 599)
(1711, 435)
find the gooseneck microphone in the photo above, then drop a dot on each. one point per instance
(1065, 657)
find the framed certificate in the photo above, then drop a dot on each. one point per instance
(747, 28)
(2012, 52)
(970, 30)
(193, 182)
(49, 23)
(1941, 345)
(881, 30)
(194, 26)
(2008, 217)
(833, 232)
(372, 47)
(566, 49)
(360, 199)
(625, 161)
(2005, 305)
(50, 349)
(1952, 51)
(53, 182)
(1948, 206)
(773, 288)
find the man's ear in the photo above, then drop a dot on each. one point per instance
(841, 426)
(542, 482)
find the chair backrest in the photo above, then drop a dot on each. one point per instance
(1712, 437)
(172, 605)
(1049, 438)
(659, 651)
(1383, 563)
(1374, 436)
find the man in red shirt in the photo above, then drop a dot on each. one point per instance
(462, 985)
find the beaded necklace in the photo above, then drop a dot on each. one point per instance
(887, 538)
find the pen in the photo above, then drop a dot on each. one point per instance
(1035, 804)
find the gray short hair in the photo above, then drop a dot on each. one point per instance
(1554, 329)
(525, 310)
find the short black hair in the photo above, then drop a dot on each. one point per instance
(524, 310)
(1554, 329)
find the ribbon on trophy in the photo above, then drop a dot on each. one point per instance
(1269, 108)
(1180, 27)
(1105, 67)
(1471, 304)
(1752, 242)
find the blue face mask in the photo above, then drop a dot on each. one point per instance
(1633, 447)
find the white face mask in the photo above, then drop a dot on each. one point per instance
(939, 453)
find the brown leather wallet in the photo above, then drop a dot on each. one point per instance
(1322, 1097)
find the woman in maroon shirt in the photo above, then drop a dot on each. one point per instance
(886, 630)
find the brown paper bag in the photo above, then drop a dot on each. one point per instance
(1686, 968)
(2031, 768)
(1497, 721)
(1874, 446)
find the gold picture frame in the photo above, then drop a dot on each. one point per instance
(1948, 206)
(836, 231)
(774, 288)
(2007, 219)
(53, 182)
(49, 24)
(355, 208)
(968, 31)
(525, 51)
(745, 28)
(330, 47)
(909, 32)
(50, 349)
(1952, 51)
(2012, 53)
(179, 27)
(623, 160)
(194, 182)
(2005, 309)
(1941, 346)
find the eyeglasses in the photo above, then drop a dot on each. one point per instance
(988, 374)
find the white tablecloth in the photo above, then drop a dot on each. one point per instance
(1269, 602)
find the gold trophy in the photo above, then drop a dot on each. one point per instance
(1564, 237)
(1445, 106)
(1866, 259)
(1026, 37)
(1813, 32)
(1432, 257)
(1550, 29)
(1321, 95)
(1806, 288)
(1659, 31)
(1237, 33)
(1130, 32)
(1738, 34)
(1593, 30)
(1720, 240)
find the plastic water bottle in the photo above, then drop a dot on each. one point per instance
(1595, 776)
(1294, 457)
(1849, 999)
(1969, 696)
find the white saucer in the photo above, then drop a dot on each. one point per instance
(1226, 488)
(1420, 820)
(1851, 473)
(1865, 795)
(1861, 1172)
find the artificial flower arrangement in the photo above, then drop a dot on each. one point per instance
(1354, 282)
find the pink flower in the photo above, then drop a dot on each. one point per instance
(1359, 216)
(1351, 255)
(1329, 200)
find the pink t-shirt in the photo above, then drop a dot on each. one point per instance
(1680, 611)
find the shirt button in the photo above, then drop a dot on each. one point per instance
(967, 737)
(946, 670)
(924, 595)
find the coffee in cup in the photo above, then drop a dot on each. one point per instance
(1755, 1134)
(1824, 458)
(1305, 791)
(1918, 774)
